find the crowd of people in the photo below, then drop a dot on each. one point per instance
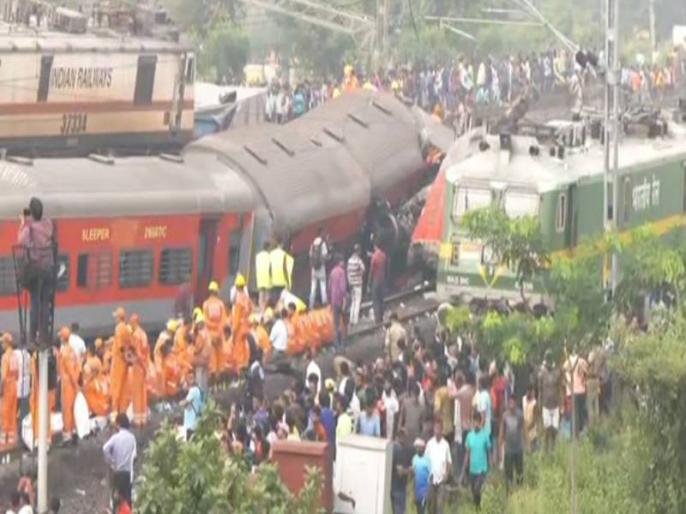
(452, 91)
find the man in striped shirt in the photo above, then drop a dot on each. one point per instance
(355, 271)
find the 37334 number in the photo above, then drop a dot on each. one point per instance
(74, 123)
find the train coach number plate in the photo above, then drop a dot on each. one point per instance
(73, 123)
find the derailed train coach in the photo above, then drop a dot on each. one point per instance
(132, 230)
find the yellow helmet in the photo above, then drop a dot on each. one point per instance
(172, 325)
(213, 287)
(196, 312)
(254, 318)
(200, 318)
(268, 315)
(240, 280)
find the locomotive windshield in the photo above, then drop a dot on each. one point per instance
(468, 199)
(518, 204)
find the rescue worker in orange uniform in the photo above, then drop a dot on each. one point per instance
(70, 372)
(240, 325)
(95, 382)
(106, 355)
(121, 351)
(296, 337)
(139, 371)
(181, 348)
(214, 313)
(10, 379)
(261, 336)
(202, 353)
(167, 379)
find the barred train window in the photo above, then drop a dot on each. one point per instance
(561, 213)
(94, 270)
(8, 284)
(176, 264)
(135, 268)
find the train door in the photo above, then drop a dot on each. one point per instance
(573, 215)
(206, 251)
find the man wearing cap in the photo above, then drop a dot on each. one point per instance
(139, 371)
(240, 325)
(120, 367)
(214, 312)
(70, 371)
(421, 469)
(10, 379)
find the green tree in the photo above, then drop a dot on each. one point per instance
(224, 52)
(199, 477)
(514, 242)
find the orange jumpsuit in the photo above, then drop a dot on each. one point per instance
(240, 328)
(166, 367)
(202, 349)
(215, 317)
(296, 340)
(182, 351)
(95, 386)
(10, 379)
(119, 369)
(262, 340)
(52, 399)
(70, 369)
(138, 372)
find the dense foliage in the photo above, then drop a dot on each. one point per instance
(199, 477)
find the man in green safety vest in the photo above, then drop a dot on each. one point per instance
(263, 279)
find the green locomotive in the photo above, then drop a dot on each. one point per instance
(558, 178)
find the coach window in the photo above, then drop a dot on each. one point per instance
(44, 79)
(8, 283)
(234, 251)
(135, 268)
(63, 273)
(94, 270)
(561, 213)
(176, 265)
(145, 79)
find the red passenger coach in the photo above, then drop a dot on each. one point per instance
(130, 232)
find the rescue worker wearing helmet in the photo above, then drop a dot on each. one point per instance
(120, 367)
(240, 325)
(69, 366)
(214, 314)
(162, 355)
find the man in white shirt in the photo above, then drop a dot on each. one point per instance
(391, 407)
(279, 335)
(76, 342)
(438, 453)
(313, 369)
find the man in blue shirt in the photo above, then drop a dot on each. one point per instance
(328, 419)
(369, 422)
(192, 407)
(421, 469)
(478, 446)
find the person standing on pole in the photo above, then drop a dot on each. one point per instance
(36, 236)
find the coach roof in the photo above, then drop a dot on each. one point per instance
(131, 186)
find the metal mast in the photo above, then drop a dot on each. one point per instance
(611, 128)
